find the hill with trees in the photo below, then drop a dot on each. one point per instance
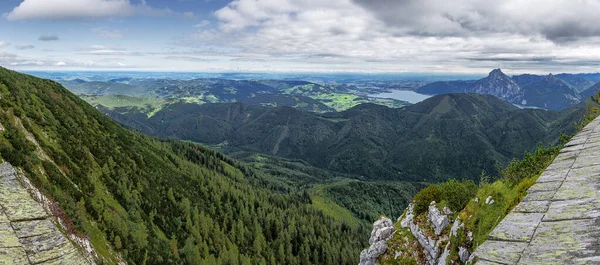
(446, 136)
(154, 201)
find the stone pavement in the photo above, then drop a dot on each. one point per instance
(28, 234)
(558, 222)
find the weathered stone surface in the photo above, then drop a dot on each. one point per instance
(12, 256)
(571, 190)
(438, 220)
(586, 159)
(500, 251)
(532, 207)
(27, 233)
(544, 186)
(539, 196)
(517, 227)
(383, 229)
(33, 228)
(564, 242)
(586, 174)
(553, 175)
(378, 226)
(567, 195)
(573, 209)
(7, 236)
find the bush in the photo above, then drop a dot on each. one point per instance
(457, 194)
(425, 197)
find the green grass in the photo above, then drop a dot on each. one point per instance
(321, 201)
(147, 105)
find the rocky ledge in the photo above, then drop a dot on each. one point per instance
(29, 234)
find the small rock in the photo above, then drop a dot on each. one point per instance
(378, 226)
(489, 200)
(455, 226)
(369, 256)
(438, 220)
(446, 211)
(398, 254)
(408, 217)
(463, 254)
(470, 235)
(444, 256)
(476, 199)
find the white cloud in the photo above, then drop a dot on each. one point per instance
(202, 24)
(48, 38)
(84, 9)
(106, 33)
(60, 63)
(24, 47)
(102, 50)
(391, 35)
(2, 43)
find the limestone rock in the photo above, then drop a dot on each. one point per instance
(444, 256)
(408, 217)
(383, 229)
(463, 254)
(378, 227)
(489, 200)
(437, 220)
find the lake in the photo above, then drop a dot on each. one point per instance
(405, 95)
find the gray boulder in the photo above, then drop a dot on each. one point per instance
(383, 230)
(438, 220)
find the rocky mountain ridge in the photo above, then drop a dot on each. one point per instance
(548, 92)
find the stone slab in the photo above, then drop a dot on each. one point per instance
(553, 175)
(33, 228)
(539, 196)
(46, 247)
(13, 256)
(7, 171)
(587, 174)
(500, 252)
(8, 238)
(590, 159)
(564, 242)
(573, 190)
(516, 227)
(532, 207)
(573, 209)
(544, 186)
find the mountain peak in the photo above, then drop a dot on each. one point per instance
(496, 72)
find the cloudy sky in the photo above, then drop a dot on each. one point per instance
(468, 36)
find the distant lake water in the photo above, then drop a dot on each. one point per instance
(405, 95)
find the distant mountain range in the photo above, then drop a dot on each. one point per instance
(446, 136)
(555, 92)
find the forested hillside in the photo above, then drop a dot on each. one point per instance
(158, 202)
(446, 136)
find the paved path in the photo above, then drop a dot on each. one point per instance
(27, 233)
(558, 222)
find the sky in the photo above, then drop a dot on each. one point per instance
(418, 36)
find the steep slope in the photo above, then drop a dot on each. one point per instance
(550, 93)
(591, 91)
(156, 202)
(453, 135)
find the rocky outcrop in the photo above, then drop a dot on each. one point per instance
(437, 220)
(383, 229)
